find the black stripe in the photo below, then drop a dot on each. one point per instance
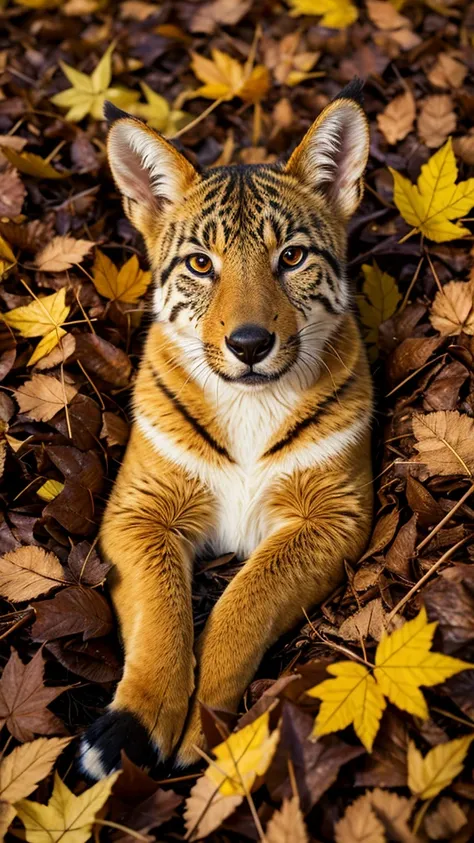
(312, 418)
(328, 257)
(197, 426)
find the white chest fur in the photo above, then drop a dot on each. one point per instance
(241, 488)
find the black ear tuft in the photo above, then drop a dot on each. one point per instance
(113, 113)
(354, 90)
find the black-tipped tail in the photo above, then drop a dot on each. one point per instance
(354, 90)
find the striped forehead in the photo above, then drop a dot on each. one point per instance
(242, 204)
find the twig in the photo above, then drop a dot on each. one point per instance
(120, 827)
(425, 577)
(198, 119)
(20, 622)
(444, 520)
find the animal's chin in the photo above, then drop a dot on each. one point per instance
(251, 378)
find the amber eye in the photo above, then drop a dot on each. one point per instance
(199, 264)
(292, 257)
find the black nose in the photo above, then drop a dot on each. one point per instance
(250, 343)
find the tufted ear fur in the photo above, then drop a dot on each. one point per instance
(333, 154)
(148, 170)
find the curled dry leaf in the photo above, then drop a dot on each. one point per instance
(452, 311)
(397, 119)
(436, 121)
(62, 253)
(43, 396)
(27, 572)
(445, 442)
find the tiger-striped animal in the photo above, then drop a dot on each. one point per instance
(252, 410)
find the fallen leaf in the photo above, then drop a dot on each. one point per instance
(88, 93)
(43, 396)
(206, 808)
(114, 429)
(397, 558)
(436, 121)
(243, 757)
(72, 817)
(85, 565)
(24, 697)
(447, 72)
(445, 442)
(41, 316)
(436, 199)
(287, 825)
(27, 572)
(103, 359)
(385, 15)
(26, 765)
(126, 285)
(384, 531)
(397, 119)
(74, 610)
(452, 311)
(443, 391)
(50, 490)
(62, 253)
(209, 15)
(445, 821)
(359, 824)
(368, 621)
(12, 193)
(379, 300)
(429, 775)
(225, 78)
(336, 14)
(158, 114)
(33, 165)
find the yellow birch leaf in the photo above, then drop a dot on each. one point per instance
(336, 14)
(379, 300)
(32, 165)
(429, 775)
(41, 317)
(243, 757)
(352, 697)
(26, 765)
(66, 817)
(403, 662)
(46, 345)
(436, 199)
(88, 93)
(126, 285)
(50, 490)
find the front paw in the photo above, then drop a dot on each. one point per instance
(101, 745)
(193, 740)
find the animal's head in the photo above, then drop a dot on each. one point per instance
(248, 261)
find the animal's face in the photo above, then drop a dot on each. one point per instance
(248, 261)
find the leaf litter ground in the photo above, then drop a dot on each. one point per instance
(239, 82)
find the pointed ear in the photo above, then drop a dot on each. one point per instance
(148, 170)
(333, 154)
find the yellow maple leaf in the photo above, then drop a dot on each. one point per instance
(32, 165)
(125, 285)
(50, 490)
(436, 199)
(403, 662)
(243, 757)
(87, 94)
(379, 300)
(428, 776)
(353, 697)
(7, 258)
(336, 14)
(41, 318)
(225, 78)
(158, 114)
(66, 817)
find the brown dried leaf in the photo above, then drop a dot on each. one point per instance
(227, 12)
(12, 193)
(368, 621)
(62, 253)
(359, 824)
(423, 503)
(206, 808)
(103, 359)
(447, 72)
(27, 572)
(445, 442)
(287, 825)
(464, 148)
(445, 820)
(24, 697)
(436, 120)
(443, 391)
(43, 396)
(114, 429)
(72, 611)
(64, 349)
(398, 556)
(452, 311)
(385, 15)
(27, 765)
(397, 119)
(383, 533)
(411, 354)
